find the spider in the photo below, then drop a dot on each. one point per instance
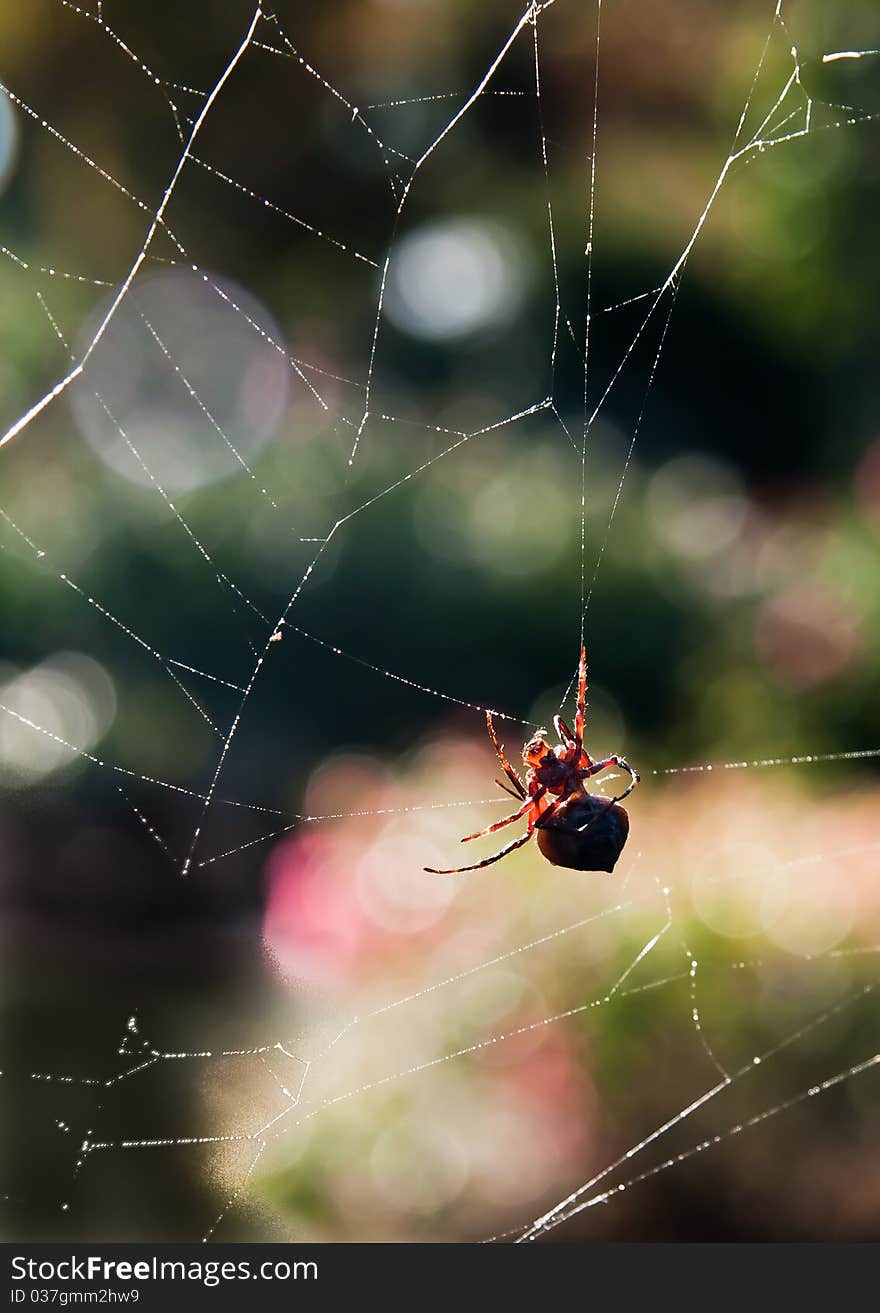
(575, 828)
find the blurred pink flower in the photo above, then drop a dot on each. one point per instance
(313, 925)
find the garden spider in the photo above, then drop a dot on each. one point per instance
(575, 828)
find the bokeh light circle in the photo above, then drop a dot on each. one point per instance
(808, 909)
(727, 888)
(418, 1167)
(392, 889)
(697, 504)
(455, 278)
(185, 384)
(57, 711)
(8, 140)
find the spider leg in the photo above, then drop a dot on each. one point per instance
(540, 823)
(487, 861)
(621, 765)
(505, 764)
(503, 786)
(506, 820)
(577, 753)
(563, 731)
(582, 699)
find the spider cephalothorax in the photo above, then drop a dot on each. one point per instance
(549, 766)
(575, 828)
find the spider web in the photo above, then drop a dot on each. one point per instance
(413, 1027)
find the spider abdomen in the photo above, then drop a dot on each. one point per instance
(585, 833)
